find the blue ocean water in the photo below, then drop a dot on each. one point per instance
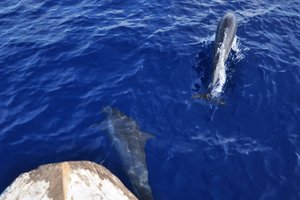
(62, 61)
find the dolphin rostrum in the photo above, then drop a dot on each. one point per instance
(129, 142)
(225, 35)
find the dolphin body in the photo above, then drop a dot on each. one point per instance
(129, 142)
(225, 34)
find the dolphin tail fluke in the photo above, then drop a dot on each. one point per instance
(201, 96)
(208, 97)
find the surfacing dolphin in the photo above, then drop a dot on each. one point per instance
(223, 42)
(129, 142)
(225, 35)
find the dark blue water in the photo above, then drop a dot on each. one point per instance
(61, 62)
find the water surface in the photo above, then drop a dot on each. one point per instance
(61, 62)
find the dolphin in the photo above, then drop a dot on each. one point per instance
(225, 34)
(129, 142)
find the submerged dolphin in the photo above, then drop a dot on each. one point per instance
(129, 142)
(223, 42)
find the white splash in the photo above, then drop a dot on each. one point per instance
(235, 44)
(219, 80)
(238, 49)
(219, 76)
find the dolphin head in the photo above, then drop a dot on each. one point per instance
(122, 124)
(112, 112)
(107, 110)
(230, 17)
(230, 23)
